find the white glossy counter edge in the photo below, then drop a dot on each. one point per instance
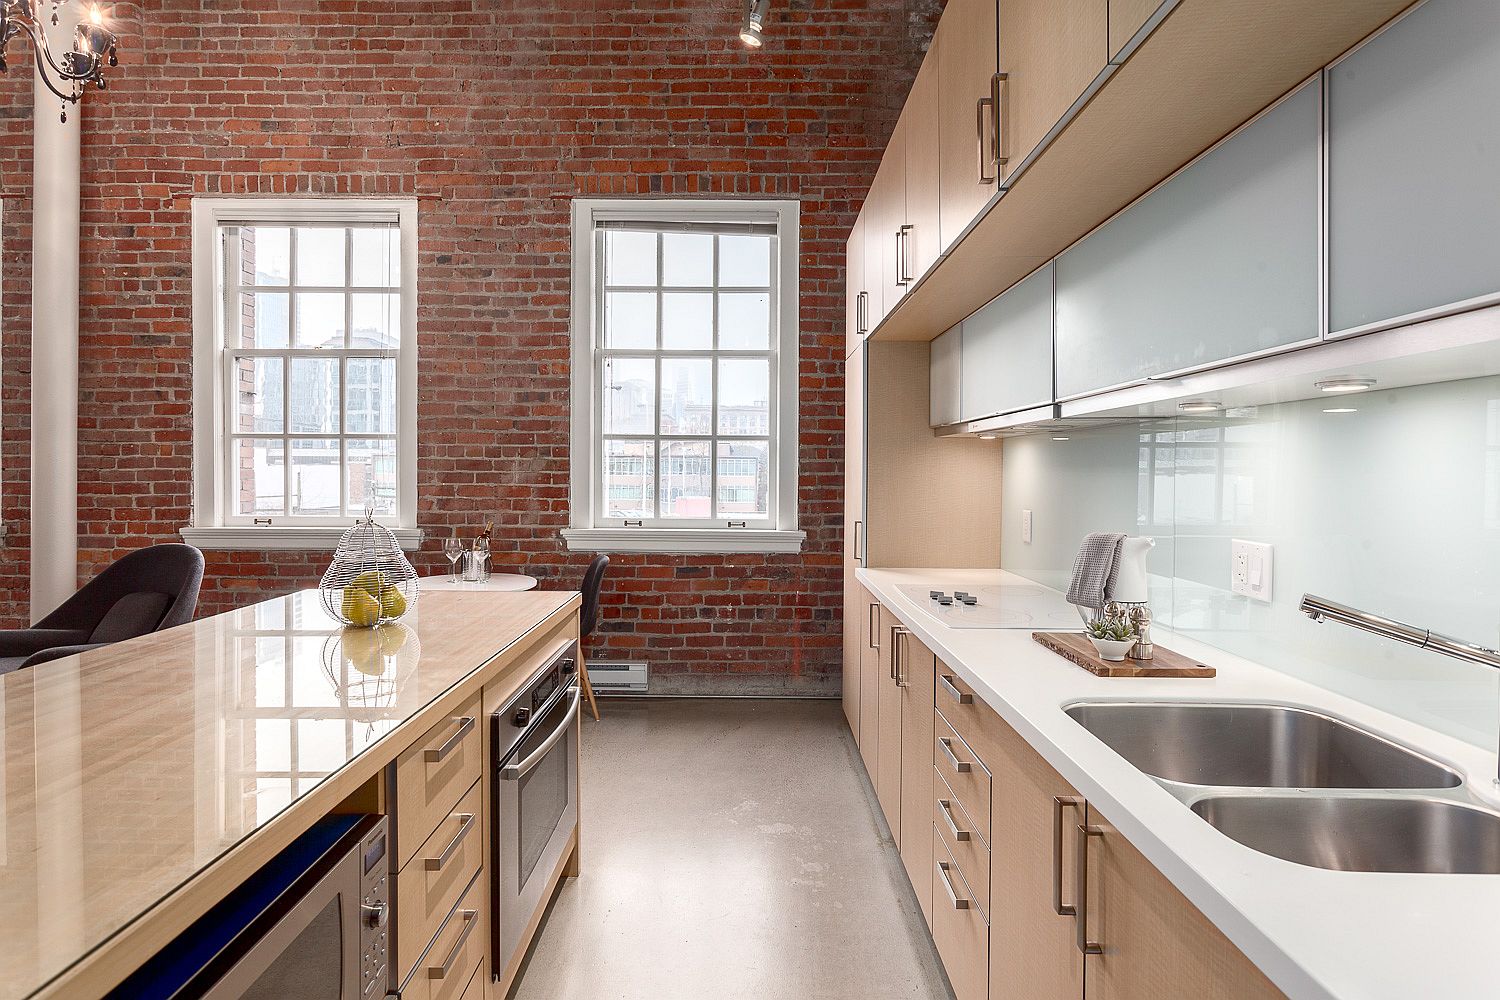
(1315, 933)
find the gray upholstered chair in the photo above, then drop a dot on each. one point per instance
(148, 590)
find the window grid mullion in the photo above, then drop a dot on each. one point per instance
(713, 377)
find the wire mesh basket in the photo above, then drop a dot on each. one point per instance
(370, 582)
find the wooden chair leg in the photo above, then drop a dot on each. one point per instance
(588, 688)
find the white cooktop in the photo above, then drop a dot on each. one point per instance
(1004, 605)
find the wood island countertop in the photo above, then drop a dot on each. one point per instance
(141, 782)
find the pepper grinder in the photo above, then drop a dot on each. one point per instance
(1140, 617)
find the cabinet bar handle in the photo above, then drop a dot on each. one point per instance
(903, 261)
(1059, 803)
(857, 557)
(959, 903)
(961, 766)
(900, 256)
(963, 698)
(1085, 946)
(471, 920)
(999, 91)
(979, 123)
(946, 808)
(861, 314)
(465, 825)
(899, 655)
(434, 755)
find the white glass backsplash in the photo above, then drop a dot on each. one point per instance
(1393, 508)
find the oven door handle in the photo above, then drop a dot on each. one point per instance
(518, 770)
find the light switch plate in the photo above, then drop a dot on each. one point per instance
(1026, 527)
(1250, 569)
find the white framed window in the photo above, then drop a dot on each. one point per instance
(684, 388)
(304, 370)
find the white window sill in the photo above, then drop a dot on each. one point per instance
(264, 538)
(711, 541)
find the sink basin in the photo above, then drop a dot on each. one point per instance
(1257, 746)
(1410, 835)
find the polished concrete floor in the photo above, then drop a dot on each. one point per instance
(730, 850)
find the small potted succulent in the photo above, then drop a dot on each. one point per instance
(1112, 637)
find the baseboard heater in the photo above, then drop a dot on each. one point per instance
(619, 677)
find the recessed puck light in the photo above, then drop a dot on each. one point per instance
(1200, 406)
(1345, 384)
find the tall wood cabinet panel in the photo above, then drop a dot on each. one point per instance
(919, 128)
(1050, 51)
(966, 44)
(1218, 263)
(918, 671)
(1007, 350)
(1406, 241)
(887, 772)
(854, 531)
(1154, 942)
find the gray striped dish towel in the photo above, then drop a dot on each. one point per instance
(1094, 569)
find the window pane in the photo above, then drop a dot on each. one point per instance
(260, 481)
(744, 396)
(370, 396)
(320, 256)
(314, 396)
(262, 320)
(687, 321)
(744, 321)
(630, 319)
(258, 395)
(266, 255)
(371, 470)
(687, 259)
(315, 477)
(744, 478)
(377, 257)
(629, 479)
(320, 742)
(745, 261)
(629, 395)
(684, 479)
(629, 258)
(320, 319)
(377, 320)
(686, 396)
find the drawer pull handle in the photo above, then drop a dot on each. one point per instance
(961, 766)
(436, 864)
(985, 158)
(959, 903)
(471, 920)
(1059, 803)
(1085, 946)
(962, 697)
(947, 810)
(434, 755)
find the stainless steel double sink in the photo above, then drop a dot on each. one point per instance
(1302, 786)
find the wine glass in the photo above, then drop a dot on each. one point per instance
(482, 557)
(453, 548)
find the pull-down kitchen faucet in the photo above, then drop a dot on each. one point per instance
(1321, 609)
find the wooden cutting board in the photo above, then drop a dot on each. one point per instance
(1075, 646)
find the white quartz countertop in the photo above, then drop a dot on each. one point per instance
(1315, 933)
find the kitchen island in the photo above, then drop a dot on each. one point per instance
(142, 782)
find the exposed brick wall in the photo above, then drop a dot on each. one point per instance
(15, 336)
(495, 115)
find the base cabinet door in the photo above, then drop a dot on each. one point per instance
(887, 772)
(916, 668)
(867, 620)
(1149, 941)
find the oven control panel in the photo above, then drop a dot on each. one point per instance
(375, 913)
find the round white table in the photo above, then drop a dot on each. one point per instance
(497, 582)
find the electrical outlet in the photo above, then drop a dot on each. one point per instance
(1250, 569)
(1026, 527)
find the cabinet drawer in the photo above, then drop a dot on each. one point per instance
(957, 833)
(476, 986)
(958, 929)
(456, 950)
(970, 718)
(433, 774)
(436, 876)
(964, 772)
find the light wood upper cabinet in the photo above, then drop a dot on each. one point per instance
(966, 48)
(1050, 51)
(919, 129)
(1152, 942)
(888, 754)
(856, 295)
(883, 241)
(1126, 17)
(917, 669)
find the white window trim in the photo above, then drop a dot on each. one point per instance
(584, 533)
(210, 528)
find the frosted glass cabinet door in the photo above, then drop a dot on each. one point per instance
(1414, 157)
(945, 365)
(1218, 263)
(1007, 350)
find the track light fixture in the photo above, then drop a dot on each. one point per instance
(755, 22)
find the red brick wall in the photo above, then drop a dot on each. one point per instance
(495, 115)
